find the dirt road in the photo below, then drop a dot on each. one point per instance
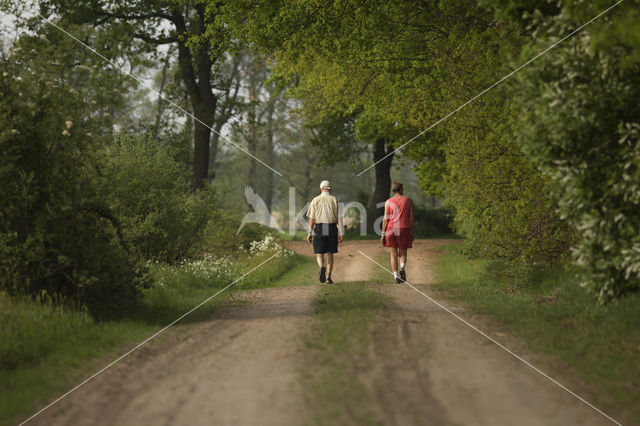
(433, 369)
(430, 368)
(239, 369)
(243, 368)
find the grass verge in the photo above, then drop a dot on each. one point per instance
(337, 349)
(292, 271)
(45, 350)
(550, 311)
(302, 271)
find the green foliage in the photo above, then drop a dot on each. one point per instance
(579, 123)
(522, 12)
(401, 66)
(432, 222)
(335, 138)
(56, 237)
(500, 200)
(221, 235)
(326, 58)
(44, 350)
(432, 162)
(149, 193)
(621, 35)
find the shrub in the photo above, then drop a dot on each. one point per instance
(149, 193)
(580, 125)
(222, 236)
(212, 271)
(56, 238)
(432, 222)
(500, 200)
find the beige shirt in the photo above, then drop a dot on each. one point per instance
(324, 209)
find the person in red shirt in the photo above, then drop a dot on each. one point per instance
(397, 230)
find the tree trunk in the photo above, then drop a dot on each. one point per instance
(252, 131)
(160, 103)
(270, 157)
(224, 113)
(213, 151)
(201, 137)
(196, 74)
(383, 182)
(308, 185)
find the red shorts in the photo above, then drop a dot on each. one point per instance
(398, 237)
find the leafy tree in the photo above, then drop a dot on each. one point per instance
(147, 24)
(400, 66)
(155, 117)
(254, 124)
(521, 13)
(579, 123)
(318, 57)
(499, 198)
(56, 236)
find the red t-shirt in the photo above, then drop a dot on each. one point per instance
(399, 212)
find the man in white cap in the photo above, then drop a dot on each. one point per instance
(325, 229)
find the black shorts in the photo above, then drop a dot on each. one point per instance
(325, 238)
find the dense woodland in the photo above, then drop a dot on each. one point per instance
(100, 176)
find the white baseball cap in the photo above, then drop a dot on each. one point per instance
(325, 184)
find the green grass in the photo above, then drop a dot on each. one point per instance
(378, 274)
(291, 271)
(550, 311)
(337, 348)
(45, 350)
(303, 271)
(42, 349)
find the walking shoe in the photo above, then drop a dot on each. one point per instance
(329, 280)
(397, 280)
(403, 275)
(323, 271)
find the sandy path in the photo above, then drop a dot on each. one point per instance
(240, 369)
(244, 367)
(430, 368)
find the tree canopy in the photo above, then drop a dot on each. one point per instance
(403, 65)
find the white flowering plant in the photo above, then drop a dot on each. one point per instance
(268, 247)
(209, 271)
(280, 259)
(212, 271)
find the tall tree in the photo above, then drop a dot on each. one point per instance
(314, 48)
(253, 124)
(154, 23)
(271, 151)
(382, 158)
(404, 65)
